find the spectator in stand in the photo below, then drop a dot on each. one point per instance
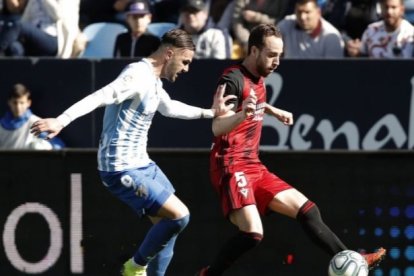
(249, 13)
(93, 11)
(409, 10)
(11, 10)
(46, 28)
(15, 124)
(306, 34)
(210, 42)
(221, 13)
(166, 10)
(352, 17)
(10, 13)
(392, 37)
(136, 42)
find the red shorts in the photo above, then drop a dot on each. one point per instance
(248, 185)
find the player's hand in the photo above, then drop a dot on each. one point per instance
(50, 126)
(285, 117)
(219, 102)
(249, 104)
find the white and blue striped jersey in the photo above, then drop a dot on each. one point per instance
(131, 101)
(126, 123)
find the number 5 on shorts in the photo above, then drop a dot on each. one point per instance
(240, 179)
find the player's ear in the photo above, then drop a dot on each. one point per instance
(255, 51)
(169, 53)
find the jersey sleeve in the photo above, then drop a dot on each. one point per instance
(234, 86)
(133, 81)
(127, 85)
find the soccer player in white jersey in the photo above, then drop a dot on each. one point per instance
(125, 168)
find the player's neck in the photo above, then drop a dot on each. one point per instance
(250, 65)
(156, 64)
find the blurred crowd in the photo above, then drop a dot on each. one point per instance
(310, 28)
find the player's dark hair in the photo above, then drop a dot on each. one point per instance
(178, 38)
(259, 33)
(19, 90)
(382, 2)
(303, 2)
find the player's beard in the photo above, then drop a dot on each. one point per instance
(171, 72)
(262, 69)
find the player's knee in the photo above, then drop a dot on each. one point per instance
(309, 210)
(181, 223)
(252, 239)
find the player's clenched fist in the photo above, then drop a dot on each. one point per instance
(285, 117)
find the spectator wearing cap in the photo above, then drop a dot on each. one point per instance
(210, 42)
(136, 42)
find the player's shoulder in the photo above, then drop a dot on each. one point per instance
(138, 68)
(233, 70)
(137, 65)
(233, 74)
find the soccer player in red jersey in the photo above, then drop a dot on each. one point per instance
(245, 187)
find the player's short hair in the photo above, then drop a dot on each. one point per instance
(382, 2)
(19, 90)
(178, 38)
(259, 33)
(303, 2)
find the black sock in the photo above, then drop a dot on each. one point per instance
(232, 250)
(311, 221)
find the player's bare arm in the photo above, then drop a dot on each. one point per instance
(284, 116)
(177, 109)
(227, 122)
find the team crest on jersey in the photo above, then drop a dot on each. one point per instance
(127, 79)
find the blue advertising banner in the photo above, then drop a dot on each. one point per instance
(352, 104)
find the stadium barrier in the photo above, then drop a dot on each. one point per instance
(57, 219)
(355, 104)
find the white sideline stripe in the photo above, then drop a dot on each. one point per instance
(76, 233)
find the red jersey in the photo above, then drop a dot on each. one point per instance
(241, 146)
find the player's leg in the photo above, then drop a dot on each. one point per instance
(250, 233)
(174, 218)
(294, 204)
(143, 190)
(237, 199)
(156, 250)
(171, 218)
(159, 264)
